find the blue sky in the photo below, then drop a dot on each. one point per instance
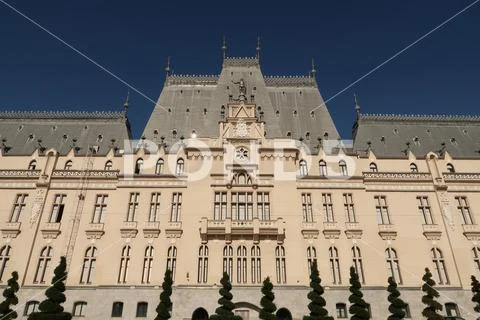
(441, 74)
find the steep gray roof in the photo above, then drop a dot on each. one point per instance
(22, 132)
(390, 135)
(193, 102)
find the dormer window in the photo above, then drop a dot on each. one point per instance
(68, 165)
(453, 141)
(99, 138)
(289, 134)
(312, 114)
(413, 167)
(31, 136)
(307, 136)
(108, 165)
(302, 168)
(343, 167)
(180, 168)
(138, 166)
(450, 168)
(32, 165)
(323, 168)
(373, 167)
(159, 167)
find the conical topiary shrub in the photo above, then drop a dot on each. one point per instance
(432, 306)
(318, 303)
(476, 294)
(165, 305)
(224, 312)
(358, 307)
(268, 307)
(6, 312)
(51, 308)
(397, 306)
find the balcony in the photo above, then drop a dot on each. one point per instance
(387, 231)
(94, 230)
(11, 229)
(353, 230)
(174, 229)
(151, 229)
(310, 230)
(471, 231)
(129, 229)
(242, 229)
(51, 230)
(432, 231)
(331, 230)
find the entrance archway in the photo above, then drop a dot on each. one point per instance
(200, 314)
(284, 314)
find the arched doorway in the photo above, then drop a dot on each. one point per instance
(284, 314)
(246, 310)
(200, 314)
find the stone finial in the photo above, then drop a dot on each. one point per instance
(224, 48)
(357, 105)
(168, 69)
(313, 71)
(258, 48)
(127, 102)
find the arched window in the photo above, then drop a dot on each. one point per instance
(117, 309)
(139, 166)
(172, 260)
(4, 258)
(323, 168)
(179, 170)
(334, 265)
(256, 265)
(302, 168)
(357, 263)
(476, 258)
(68, 165)
(142, 309)
(147, 264)
(280, 264)
(343, 168)
(451, 309)
(32, 165)
(341, 310)
(108, 165)
(413, 167)
(439, 264)
(228, 261)
(311, 257)
(43, 264)
(242, 264)
(202, 276)
(373, 167)
(79, 309)
(89, 262)
(200, 314)
(124, 264)
(393, 265)
(31, 306)
(241, 178)
(159, 167)
(450, 168)
(283, 314)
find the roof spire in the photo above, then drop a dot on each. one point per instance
(127, 102)
(258, 48)
(168, 69)
(357, 105)
(224, 48)
(313, 71)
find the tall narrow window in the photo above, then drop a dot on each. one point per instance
(89, 262)
(142, 309)
(202, 264)
(4, 258)
(302, 169)
(373, 167)
(413, 167)
(323, 168)
(139, 166)
(31, 306)
(242, 205)
(108, 165)
(343, 168)
(32, 165)
(357, 263)
(147, 264)
(176, 212)
(159, 167)
(68, 165)
(79, 309)
(172, 260)
(334, 265)
(307, 207)
(100, 208)
(43, 264)
(476, 259)
(424, 210)
(382, 210)
(349, 207)
(450, 168)
(280, 264)
(451, 309)
(439, 265)
(154, 206)
(220, 206)
(117, 309)
(18, 207)
(58, 208)
(327, 207)
(341, 310)
(124, 264)
(180, 168)
(393, 265)
(311, 257)
(132, 206)
(242, 264)
(464, 210)
(228, 261)
(263, 205)
(256, 266)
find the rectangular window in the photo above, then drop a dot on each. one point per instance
(176, 213)
(220, 206)
(58, 208)
(18, 207)
(100, 208)
(263, 205)
(382, 210)
(464, 210)
(307, 207)
(154, 207)
(349, 208)
(132, 206)
(327, 207)
(424, 210)
(242, 205)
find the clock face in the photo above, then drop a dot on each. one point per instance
(241, 153)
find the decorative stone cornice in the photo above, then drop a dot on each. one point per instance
(419, 117)
(19, 173)
(461, 177)
(36, 115)
(397, 176)
(101, 174)
(187, 79)
(290, 81)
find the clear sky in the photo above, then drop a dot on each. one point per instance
(441, 74)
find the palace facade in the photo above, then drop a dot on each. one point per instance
(242, 173)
